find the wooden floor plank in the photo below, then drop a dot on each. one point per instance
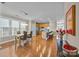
(38, 47)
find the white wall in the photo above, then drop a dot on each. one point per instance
(52, 24)
(29, 25)
(73, 40)
(34, 28)
(0, 8)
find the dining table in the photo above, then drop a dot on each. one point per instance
(18, 40)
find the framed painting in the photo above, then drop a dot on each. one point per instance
(71, 20)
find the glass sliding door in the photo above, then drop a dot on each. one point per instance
(23, 27)
(15, 27)
(4, 29)
(9, 28)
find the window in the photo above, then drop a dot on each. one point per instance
(9, 28)
(23, 27)
(60, 25)
(15, 27)
(4, 27)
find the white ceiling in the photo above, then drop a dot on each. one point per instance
(42, 10)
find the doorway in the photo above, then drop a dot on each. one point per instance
(40, 27)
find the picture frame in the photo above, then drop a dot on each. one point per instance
(71, 20)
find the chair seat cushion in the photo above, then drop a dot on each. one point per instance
(70, 48)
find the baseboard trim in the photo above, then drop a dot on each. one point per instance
(7, 41)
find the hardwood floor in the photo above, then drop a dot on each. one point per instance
(38, 48)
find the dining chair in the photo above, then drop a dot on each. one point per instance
(24, 38)
(30, 37)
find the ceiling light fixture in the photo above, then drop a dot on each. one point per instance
(25, 24)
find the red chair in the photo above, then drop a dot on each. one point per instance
(70, 50)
